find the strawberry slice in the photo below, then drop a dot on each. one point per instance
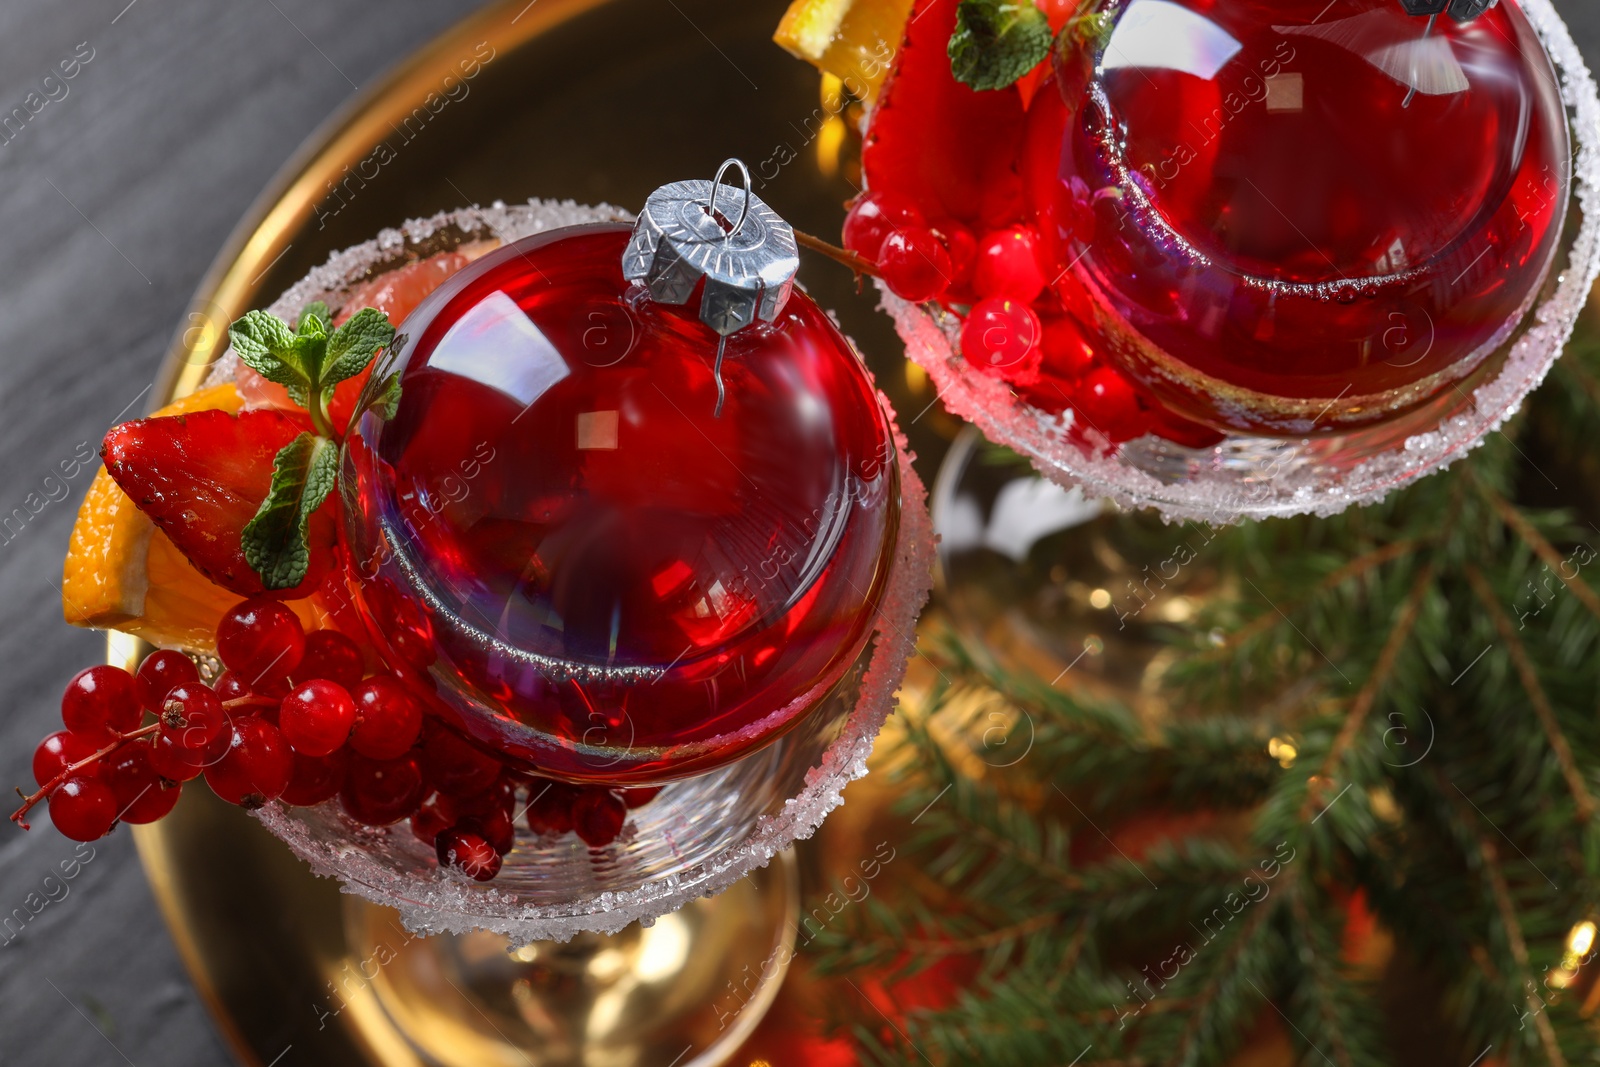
(202, 476)
(952, 150)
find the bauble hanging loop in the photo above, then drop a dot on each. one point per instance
(749, 268)
(716, 183)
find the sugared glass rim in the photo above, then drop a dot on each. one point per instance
(1249, 477)
(445, 901)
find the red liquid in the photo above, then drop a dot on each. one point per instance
(593, 574)
(1254, 223)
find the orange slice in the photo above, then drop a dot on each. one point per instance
(854, 40)
(121, 573)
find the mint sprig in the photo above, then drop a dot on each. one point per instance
(996, 42)
(274, 542)
(308, 361)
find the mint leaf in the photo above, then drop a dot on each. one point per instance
(997, 41)
(310, 360)
(354, 344)
(266, 345)
(274, 541)
(311, 342)
(316, 310)
(385, 397)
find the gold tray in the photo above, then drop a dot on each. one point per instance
(596, 100)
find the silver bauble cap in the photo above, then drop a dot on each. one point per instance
(748, 256)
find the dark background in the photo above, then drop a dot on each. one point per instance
(113, 201)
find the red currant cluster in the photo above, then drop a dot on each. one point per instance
(1015, 322)
(294, 717)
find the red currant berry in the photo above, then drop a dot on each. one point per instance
(61, 750)
(331, 655)
(83, 808)
(1109, 405)
(496, 826)
(381, 792)
(1008, 265)
(1179, 430)
(142, 795)
(639, 796)
(193, 716)
(468, 852)
(177, 764)
(315, 779)
(160, 672)
(455, 767)
(914, 265)
(276, 688)
(228, 686)
(962, 248)
(1000, 335)
(260, 640)
(873, 217)
(597, 816)
(408, 631)
(413, 646)
(255, 768)
(388, 720)
(491, 813)
(316, 717)
(1066, 353)
(550, 807)
(101, 698)
(501, 795)
(434, 817)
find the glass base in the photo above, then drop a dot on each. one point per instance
(1247, 476)
(687, 989)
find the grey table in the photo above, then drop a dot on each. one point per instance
(114, 197)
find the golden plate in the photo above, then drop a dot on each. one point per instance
(596, 100)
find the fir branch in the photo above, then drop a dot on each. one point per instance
(989, 824)
(1356, 568)
(1503, 903)
(1326, 992)
(1223, 760)
(1399, 634)
(1374, 559)
(1005, 935)
(1518, 523)
(1055, 923)
(1216, 1005)
(1574, 368)
(1529, 678)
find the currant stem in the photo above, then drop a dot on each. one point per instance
(28, 802)
(839, 255)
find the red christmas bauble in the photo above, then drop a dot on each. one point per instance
(1290, 216)
(557, 540)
